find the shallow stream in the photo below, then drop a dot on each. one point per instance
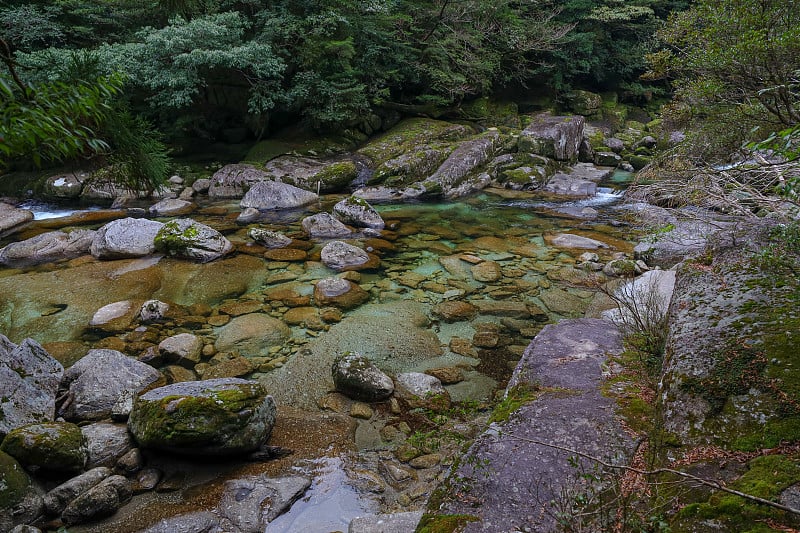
(491, 250)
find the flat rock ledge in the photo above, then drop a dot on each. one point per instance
(508, 482)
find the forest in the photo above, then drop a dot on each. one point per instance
(118, 81)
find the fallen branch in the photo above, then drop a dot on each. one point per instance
(707, 482)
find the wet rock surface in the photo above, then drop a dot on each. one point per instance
(510, 468)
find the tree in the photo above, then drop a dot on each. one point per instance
(735, 69)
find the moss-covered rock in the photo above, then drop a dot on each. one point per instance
(20, 501)
(336, 176)
(488, 112)
(409, 134)
(223, 416)
(53, 446)
(192, 240)
(638, 162)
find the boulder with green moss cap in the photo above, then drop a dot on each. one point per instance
(52, 446)
(215, 417)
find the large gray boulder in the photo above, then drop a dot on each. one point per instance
(29, 379)
(225, 416)
(191, 240)
(269, 195)
(126, 237)
(553, 136)
(106, 443)
(46, 248)
(251, 503)
(232, 181)
(463, 163)
(12, 217)
(325, 225)
(340, 255)
(98, 381)
(510, 469)
(357, 212)
(357, 377)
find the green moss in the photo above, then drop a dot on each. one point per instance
(638, 162)
(409, 134)
(446, 523)
(171, 239)
(765, 478)
(516, 397)
(58, 446)
(14, 482)
(738, 368)
(198, 420)
(336, 175)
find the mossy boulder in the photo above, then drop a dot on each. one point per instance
(20, 501)
(584, 103)
(336, 176)
(191, 240)
(488, 112)
(411, 133)
(53, 446)
(638, 162)
(216, 417)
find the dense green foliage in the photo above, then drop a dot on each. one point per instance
(216, 64)
(735, 70)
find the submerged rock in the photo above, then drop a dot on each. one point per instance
(192, 240)
(253, 502)
(214, 417)
(252, 334)
(568, 240)
(29, 379)
(339, 293)
(46, 248)
(357, 377)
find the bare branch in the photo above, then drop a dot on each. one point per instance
(707, 482)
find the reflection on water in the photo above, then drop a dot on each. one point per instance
(329, 505)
